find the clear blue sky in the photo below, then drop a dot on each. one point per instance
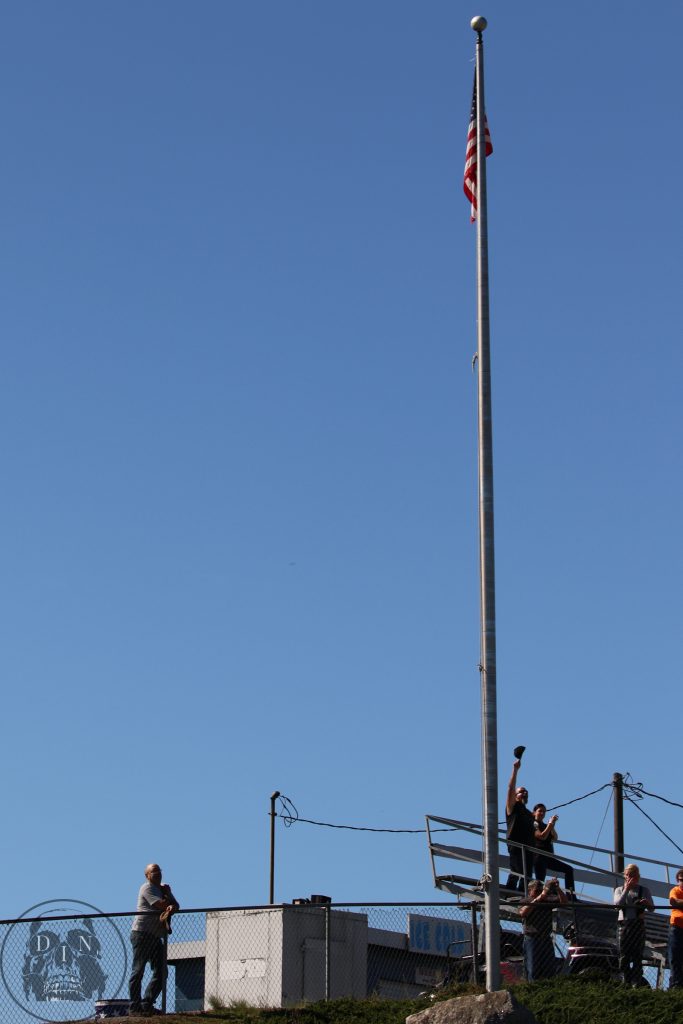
(238, 418)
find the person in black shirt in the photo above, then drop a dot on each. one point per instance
(520, 829)
(545, 858)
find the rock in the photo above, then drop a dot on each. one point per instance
(488, 1008)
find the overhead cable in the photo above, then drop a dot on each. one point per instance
(289, 815)
(645, 792)
(602, 825)
(365, 828)
(577, 798)
(659, 829)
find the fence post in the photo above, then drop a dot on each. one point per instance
(475, 944)
(328, 945)
(163, 987)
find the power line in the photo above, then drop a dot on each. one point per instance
(577, 798)
(365, 828)
(602, 825)
(290, 815)
(645, 792)
(659, 829)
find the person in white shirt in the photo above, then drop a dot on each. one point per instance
(633, 899)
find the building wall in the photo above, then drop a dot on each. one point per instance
(244, 957)
(278, 957)
(304, 959)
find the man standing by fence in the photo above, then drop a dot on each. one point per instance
(156, 903)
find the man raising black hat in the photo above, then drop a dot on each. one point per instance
(520, 829)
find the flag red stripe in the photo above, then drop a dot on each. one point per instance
(470, 178)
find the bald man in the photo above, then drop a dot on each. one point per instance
(147, 939)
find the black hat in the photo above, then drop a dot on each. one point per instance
(518, 751)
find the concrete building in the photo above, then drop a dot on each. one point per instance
(282, 956)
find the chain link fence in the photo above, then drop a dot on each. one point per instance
(76, 966)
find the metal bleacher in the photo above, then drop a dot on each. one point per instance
(592, 915)
(587, 874)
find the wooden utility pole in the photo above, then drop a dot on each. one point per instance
(618, 783)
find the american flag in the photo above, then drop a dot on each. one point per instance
(470, 182)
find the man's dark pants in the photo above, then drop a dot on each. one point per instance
(676, 956)
(147, 949)
(631, 946)
(539, 957)
(522, 862)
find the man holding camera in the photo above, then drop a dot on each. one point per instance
(633, 899)
(156, 903)
(537, 915)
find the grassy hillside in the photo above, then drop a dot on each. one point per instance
(562, 1001)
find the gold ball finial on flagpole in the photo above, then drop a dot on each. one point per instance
(479, 23)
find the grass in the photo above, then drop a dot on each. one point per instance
(560, 1001)
(574, 1001)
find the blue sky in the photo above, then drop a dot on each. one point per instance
(238, 417)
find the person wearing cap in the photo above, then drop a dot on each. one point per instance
(676, 933)
(156, 903)
(632, 899)
(520, 829)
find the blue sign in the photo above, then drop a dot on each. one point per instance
(436, 934)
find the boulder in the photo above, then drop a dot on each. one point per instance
(488, 1008)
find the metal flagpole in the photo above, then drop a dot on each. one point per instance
(486, 549)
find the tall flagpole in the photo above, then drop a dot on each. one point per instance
(487, 666)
